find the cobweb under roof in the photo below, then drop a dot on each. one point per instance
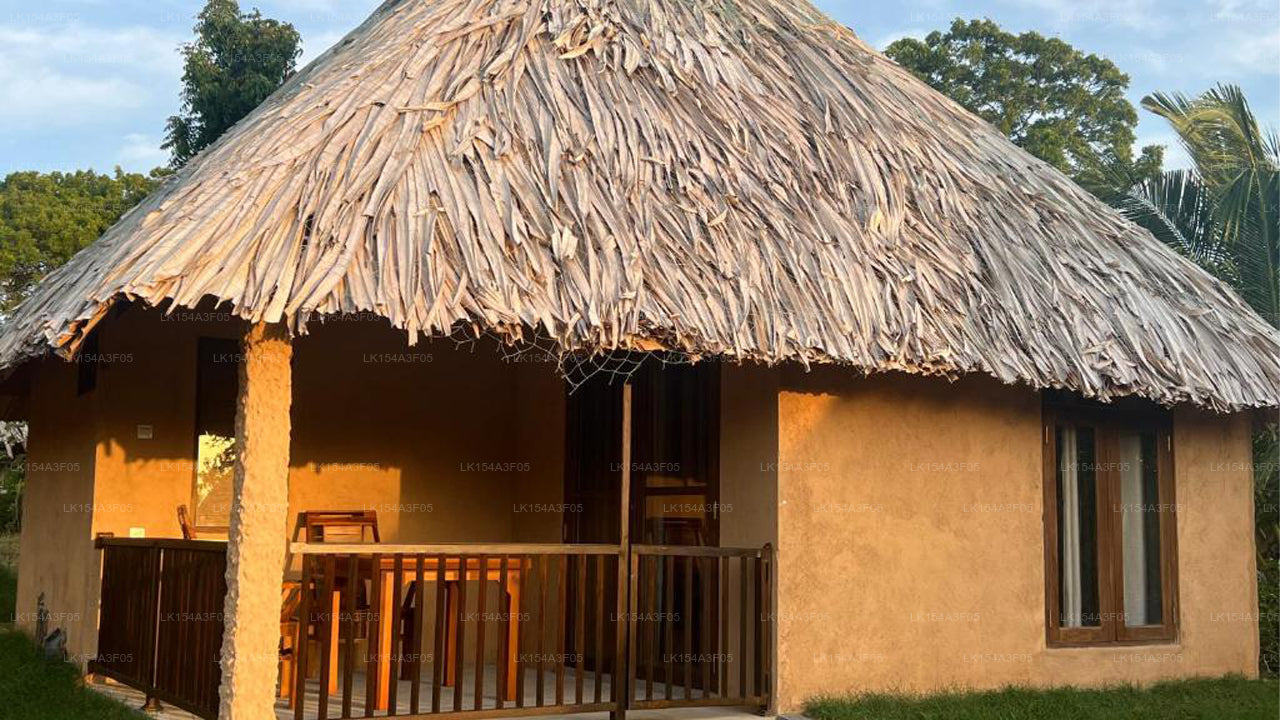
(612, 367)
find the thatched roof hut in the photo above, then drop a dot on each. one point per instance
(744, 179)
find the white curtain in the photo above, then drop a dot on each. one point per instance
(1132, 516)
(1069, 470)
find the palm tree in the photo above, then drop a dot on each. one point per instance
(1223, 215)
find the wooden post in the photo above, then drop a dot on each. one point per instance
(621, 667)
(257, 540)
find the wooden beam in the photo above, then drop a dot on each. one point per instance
(621, 666)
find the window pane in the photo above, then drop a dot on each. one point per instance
(218, 381)
(1140, 521)
(1077, 528)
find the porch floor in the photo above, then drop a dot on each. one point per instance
(135, 699)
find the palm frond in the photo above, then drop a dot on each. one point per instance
(1179, 210)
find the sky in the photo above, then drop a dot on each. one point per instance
(90, 83)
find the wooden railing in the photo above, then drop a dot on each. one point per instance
(503, 630)
(454, 630)
(161, 619)
(457, 630)
(701, 627)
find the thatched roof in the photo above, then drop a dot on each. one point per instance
(742, 178)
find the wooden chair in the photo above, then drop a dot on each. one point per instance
(347, 527)
(184, 522)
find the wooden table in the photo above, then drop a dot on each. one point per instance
(452, 576)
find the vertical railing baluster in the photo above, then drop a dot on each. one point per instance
(651, 591)
(759, 644)
(579, 636)
(541, 561)
(562, 573)
(600, 613)
(688, 628)
(419, 633)
(440, 634)
(632, 622)
(374, 641)
(392, 663)
(300, 645)
(482, 605)
(722, 646)
(707, 653)
(324, 596)
(742, 621)
(460, 645)
(504, 644)
(349, 610)
(526, 571)
(666, 613)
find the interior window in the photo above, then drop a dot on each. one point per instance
(1078, 527)
(217, 385)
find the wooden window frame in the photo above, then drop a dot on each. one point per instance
(1108, 422)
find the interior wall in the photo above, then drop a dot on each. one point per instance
(912, 553)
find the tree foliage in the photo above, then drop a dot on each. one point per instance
(1064, 107)
(45, 218)
(236, 61)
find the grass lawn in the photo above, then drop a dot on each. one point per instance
(33, 688)
(8, 578)
(1216, 699)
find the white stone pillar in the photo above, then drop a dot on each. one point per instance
(259, 527)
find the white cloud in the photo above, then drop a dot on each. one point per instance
(1146, 16)
(77, 74)
(1253, 10)
(141, 152)
(44, 96)
(146, 50)
(1256, 52)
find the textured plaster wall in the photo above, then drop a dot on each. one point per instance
(56, 556)
(911, 542)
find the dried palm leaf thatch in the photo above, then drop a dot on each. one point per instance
(734, 178)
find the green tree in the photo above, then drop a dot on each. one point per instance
(1224, 214)
(236, 61)
(47, 218)
(1064, 107)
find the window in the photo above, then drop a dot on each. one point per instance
(1109, 525)
(217, 384)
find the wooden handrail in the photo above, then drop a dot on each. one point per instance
(685, 551)
(163, 543)
(299, 548)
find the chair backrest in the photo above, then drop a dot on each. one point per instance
(184, 522)
(356, 526)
